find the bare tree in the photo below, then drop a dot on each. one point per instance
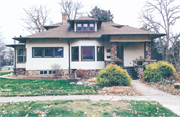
(57, 69)
(161, 15)
(174, 52)
(73, 9)
(36, 17)
(2, 45)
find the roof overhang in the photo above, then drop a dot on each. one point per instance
(50, 27)
(152, 36)
(16, 45)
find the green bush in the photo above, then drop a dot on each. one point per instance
(113, 75)
(157, 71)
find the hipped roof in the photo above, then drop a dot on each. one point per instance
(107, 28)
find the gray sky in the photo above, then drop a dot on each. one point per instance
(125, 12)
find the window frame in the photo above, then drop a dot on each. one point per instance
(43, 52)
(74, 53)
(87, 47)
(22, 55)
(99, 54)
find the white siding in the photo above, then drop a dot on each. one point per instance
(87, 64)
(131, 52)
(45, 63)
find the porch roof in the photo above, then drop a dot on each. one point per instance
(16, 45)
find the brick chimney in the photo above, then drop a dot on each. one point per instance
(64, 18)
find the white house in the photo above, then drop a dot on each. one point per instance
(85, 43)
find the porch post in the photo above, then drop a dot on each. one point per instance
(113, 49)
(147, 50)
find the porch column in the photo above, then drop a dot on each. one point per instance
(113, 49)
(147, 50)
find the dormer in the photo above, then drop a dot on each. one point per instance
(85, 24)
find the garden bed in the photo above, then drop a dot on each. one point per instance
(168, 88)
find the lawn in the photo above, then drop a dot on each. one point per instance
(4, 73)
(85, 108)
(37, 87)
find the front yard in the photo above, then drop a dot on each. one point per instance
(85, 108)
(37, 87)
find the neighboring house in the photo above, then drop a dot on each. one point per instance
(7, 68)
(85, 43)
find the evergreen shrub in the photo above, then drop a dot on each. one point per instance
(158, 71)
(113, 75)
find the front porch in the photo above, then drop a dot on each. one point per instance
(129, 51)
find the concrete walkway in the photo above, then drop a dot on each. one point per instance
(150, 94)
(169, 101)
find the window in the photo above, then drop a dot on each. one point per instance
(48, 51)
(79, 26)
(39, 52)
(91, 26)
(21, 55)
(58, 52)
(108, 50)
(87, 53)
(52, 72)
(100, 53)
(75, 53)
(85, 27)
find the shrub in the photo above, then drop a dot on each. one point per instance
(113, 75)
(82, 74)
(157, 71)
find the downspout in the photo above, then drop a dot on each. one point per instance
(69, 56)
(14, 60)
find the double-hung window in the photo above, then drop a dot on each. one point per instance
(21, 55)
(100, 53)
(79, 27)
(85, 27)
(91, 27)
(87, 53)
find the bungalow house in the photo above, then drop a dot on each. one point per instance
(84, 43)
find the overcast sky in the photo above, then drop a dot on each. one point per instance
(125, 12)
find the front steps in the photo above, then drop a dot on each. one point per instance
(131, 72)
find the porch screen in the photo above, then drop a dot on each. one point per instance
(87, 53)
(21, 55)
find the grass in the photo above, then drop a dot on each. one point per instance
(4, 73)
(37, 87)
(84, 108)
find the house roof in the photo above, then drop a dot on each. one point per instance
(86, 18)
(107, 28)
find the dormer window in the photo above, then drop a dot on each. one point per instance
(79, 27)
(91, 26)
(85, 26)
